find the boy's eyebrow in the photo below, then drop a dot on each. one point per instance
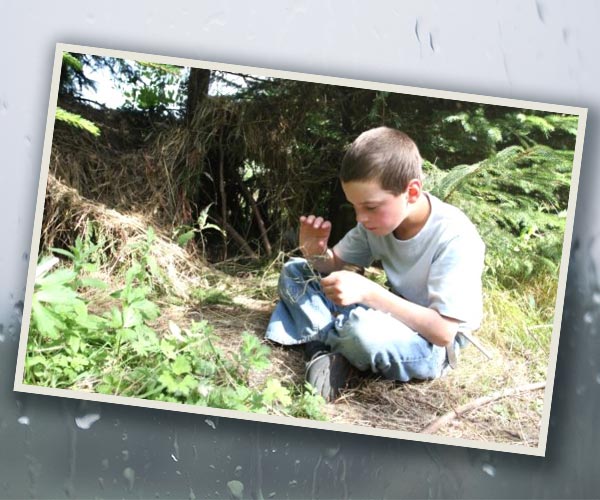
(369, 202)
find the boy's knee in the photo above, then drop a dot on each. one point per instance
(370, 327)
(375, 340)
(294, 278)
(362, 337)
(294, 267)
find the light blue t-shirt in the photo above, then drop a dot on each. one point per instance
(440, 267)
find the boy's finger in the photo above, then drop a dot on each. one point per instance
(328, 280)
(318, 222)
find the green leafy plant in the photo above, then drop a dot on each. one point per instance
(86, 254)
(208, 296)
(152, 87)
(119, 351)
(185, 233)
(144, 266)
(65, 337)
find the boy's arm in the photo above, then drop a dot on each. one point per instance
(313, 238)
(345, 288)
(437, 329)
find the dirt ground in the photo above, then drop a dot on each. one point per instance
(378, 403)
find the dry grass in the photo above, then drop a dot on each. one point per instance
(67, 214)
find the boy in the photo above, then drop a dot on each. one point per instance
(433, 259)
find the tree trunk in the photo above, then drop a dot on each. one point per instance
(197, 91)
(341, 213)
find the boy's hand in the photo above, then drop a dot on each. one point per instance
(345, 288)
(314, 234)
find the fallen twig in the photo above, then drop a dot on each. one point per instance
(471, 338)
(437, 424)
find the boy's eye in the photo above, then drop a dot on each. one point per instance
(370, 209)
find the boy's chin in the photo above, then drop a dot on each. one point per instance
(379, 231)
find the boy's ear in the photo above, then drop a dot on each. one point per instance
(414, 190)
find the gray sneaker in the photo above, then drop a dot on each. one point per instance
(328, 373)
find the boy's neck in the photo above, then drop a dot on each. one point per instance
(411, 226)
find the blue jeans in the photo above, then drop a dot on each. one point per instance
(367, 338)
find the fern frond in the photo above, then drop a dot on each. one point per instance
(517, 199)
(72, 61)
(446, 185)
(77, 121)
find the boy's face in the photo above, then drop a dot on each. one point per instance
(379, 211)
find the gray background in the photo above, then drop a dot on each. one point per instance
(534, 50)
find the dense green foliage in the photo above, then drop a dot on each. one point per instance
(118, 349)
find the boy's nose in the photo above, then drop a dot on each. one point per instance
(360, 217)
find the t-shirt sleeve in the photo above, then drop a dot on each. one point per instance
(354, 247)
(454, 284)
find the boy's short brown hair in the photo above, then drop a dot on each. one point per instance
(383, 154)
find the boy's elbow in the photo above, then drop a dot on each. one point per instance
(442, 339)
(446, 332)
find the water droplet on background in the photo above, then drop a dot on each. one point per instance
(489, 469)
(210, 423)
(588, 317)
(12, 332)
(236, 488)
(129, 475)
(23, 420)
(86, 421)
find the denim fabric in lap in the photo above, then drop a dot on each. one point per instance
(303, 312)
(369, 339)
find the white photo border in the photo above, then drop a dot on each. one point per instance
(299, 422)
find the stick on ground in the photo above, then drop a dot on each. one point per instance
(437, 424)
